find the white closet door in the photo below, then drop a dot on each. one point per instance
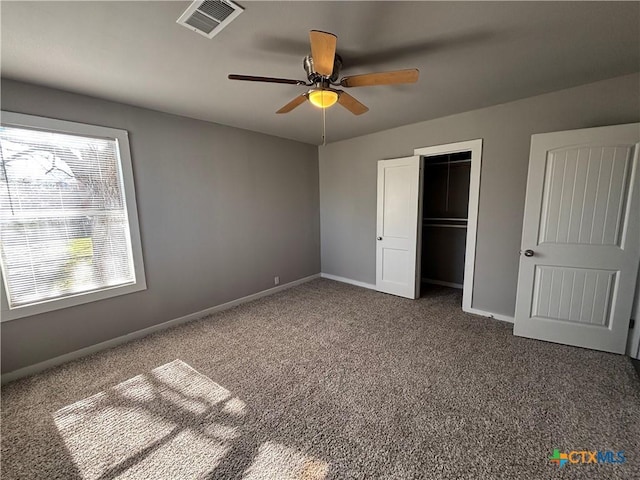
(397, 226)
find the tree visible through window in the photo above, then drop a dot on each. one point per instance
(63, 216)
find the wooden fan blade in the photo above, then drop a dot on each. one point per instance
(250, 78)
(299, 100)
(323, 51)
(382, 78)
(351, 104)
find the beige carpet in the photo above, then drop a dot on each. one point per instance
(326, 381)
(170, 423)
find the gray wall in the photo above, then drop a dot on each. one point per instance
(222, 211)
(348, 178)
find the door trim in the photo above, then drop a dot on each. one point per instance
(475, 146)
(633, 342)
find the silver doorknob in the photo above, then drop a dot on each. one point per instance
(529, 253)
(379, 238)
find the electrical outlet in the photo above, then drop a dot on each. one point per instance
(276, 280)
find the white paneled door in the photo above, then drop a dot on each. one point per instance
(397, 226)
(581, 238)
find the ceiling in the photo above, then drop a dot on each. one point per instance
(470, 55)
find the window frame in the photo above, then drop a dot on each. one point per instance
(121, 137)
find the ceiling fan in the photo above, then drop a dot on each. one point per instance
(323, 70)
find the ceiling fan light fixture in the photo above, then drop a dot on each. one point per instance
(323, 98)
(323, 68)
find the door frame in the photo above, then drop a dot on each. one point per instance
(475, 147)
(633, 341)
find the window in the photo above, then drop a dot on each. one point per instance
(68, 219)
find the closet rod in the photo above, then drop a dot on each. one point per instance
(444, 225)
(447, 219)
(428, 164)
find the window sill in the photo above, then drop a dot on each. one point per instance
(66, 302)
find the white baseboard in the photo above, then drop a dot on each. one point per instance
(497, 316)
(357, 283)
(444, 284)
(83, 352)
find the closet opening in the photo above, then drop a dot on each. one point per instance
(447, 222)
(448, 218)
(445, 218)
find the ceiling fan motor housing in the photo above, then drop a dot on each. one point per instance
(315, 77)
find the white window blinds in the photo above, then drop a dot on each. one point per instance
(63, 219)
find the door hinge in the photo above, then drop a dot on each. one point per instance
(632, 323)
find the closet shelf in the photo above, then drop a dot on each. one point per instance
(444, 219)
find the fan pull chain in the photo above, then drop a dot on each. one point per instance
(324, 124)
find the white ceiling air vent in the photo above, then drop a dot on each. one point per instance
(208, 18)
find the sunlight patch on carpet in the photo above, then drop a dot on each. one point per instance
(170, 423)
(279, 462)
